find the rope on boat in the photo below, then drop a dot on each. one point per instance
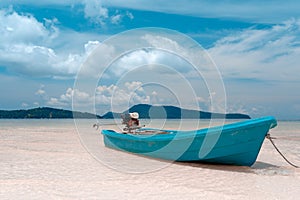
(268, 136)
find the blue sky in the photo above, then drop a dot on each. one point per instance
(255, 45)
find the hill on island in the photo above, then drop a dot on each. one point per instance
(171, 112)
(145, 112)
(45, 112)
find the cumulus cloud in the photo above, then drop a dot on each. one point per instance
(65, 100)
(141, 57)
(25, 47)
(121, 96)
(41, 91)
(24, 28)
(94, 11)
(116, 19)
(158, 41)
(115, 96)
(160, 62)
(56, 102)
(185, 49)
(99, 14)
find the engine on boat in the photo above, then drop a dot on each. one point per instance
(131, 121)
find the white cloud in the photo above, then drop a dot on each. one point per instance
(131, 60)
(26, 47)
(187, 55)
(114, 97)
(134, 86)
(116, 19)
(91, 46)
(35, 60)
(40, 3)
(158, 41)
(161, 68)
(150, 57)
(255, 10)
(130, 15)
(24, 28)
(56, 102)
(65, 100)
(24, 105)
(264, 54)
(261, 68)
(119, 96)
(98, 14)
(41, 91)
(94, 11)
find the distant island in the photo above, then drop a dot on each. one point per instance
(172, 112)
(145, 112)
(45, 113)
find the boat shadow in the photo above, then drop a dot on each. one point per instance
(257, 166)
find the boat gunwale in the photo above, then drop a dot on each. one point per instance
(187, 134)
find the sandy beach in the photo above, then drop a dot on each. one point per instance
(44, 159)
(171, 63)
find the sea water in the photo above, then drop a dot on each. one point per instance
(60, 159)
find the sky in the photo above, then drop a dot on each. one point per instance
(45, 47)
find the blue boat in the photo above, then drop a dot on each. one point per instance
(237, 143)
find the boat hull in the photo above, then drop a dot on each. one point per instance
(237, 143)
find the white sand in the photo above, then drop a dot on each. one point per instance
(49, 162)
